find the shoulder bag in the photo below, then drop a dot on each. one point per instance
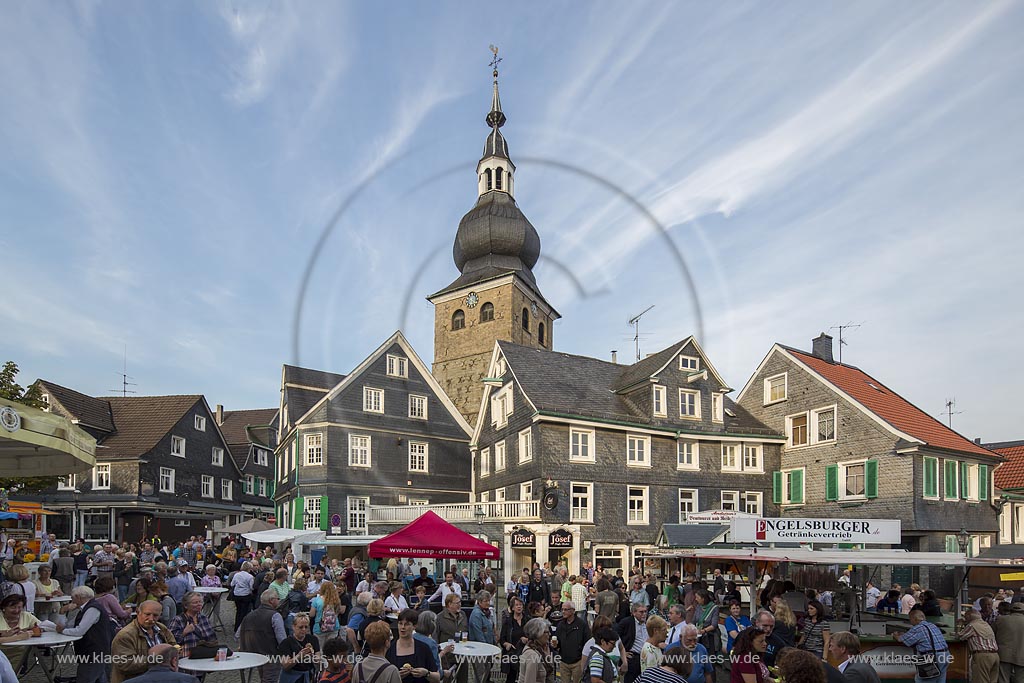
(925, 663)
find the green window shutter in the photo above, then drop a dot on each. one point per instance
(931, 478)
(982, 482)
(952, 545)
(298, 508)
(323, 513)
(871, 479)
(832, 482)
(776, 487)
(798, 485)
(949, 479)
(965, 481)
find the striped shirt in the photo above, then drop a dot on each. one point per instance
(979, 636)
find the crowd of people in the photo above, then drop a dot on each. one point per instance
(135, 610)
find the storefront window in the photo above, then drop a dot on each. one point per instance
(96, 526)
(609, 558)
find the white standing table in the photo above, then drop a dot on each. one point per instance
(215, 596)
(474, 653)
(242, 662)
(48, 639)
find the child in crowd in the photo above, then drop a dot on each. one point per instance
(335, 654)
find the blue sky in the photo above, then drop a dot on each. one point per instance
(169, 169)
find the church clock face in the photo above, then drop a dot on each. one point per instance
(472, 299)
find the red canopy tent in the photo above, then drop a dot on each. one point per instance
(431, 536)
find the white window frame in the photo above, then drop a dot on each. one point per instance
(642, 516)
(261, 488)
(485, 462)
(499, 495)
(67, 482)
(419, 456)
(226, 489)
(101, 477)
(417, 407)
(694, 455)
(691, 496)
(588, 517)
(169, 473)
(500, 366)
(311, 513)
(735, 462)
(261, 457)
(785, 485)
(659, 400)
(398, 366)
(525, 446)
(207, 486)
(590, 437)
(972, 482)
(640, 445)
(499, 456)
(313, 448)
(731, 498)
(813, 437)
(717, 407)
(768, 400)
(485, 496)
(373, 400)
(217, 456)
(502, 406)
(250, 484)
(696, 404)
(526, 490)
(789, 430)
(358, 508)
(755, 497)
(689, 363)
(758, 451)
(842, 474)
(178, 446)
(358, 450)
(199, 423)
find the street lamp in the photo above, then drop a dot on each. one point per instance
(963, 539)
(74, 522)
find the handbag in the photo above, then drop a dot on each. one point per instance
(925, 663)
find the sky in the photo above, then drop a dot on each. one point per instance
(203, 191)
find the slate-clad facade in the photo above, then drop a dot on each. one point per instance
(251, 436)
(860, 450)
(624, 461)
(383, 435)
(164, 468)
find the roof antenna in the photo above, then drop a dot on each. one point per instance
(635, 322)
(842, 342)
(124, 390)
(949, 412)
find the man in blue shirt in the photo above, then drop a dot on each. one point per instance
(925, 637)
(703, 668)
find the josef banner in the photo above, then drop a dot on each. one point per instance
(798, 530)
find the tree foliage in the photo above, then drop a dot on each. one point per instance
(32, 397)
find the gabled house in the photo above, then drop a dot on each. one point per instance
(614, 451)
(163, 468)
(251, 436)
(1009, 491)
(856, 448)
(385, 434)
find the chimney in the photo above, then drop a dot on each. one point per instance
(220, 414)
(978, 441)
(821, 347)
(615, 356)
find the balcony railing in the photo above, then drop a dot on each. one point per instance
(507, 511)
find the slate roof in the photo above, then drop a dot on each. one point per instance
(585, 387)
(1009, 475)
(888, 405)
(88, 410)
(692, 535)
(142, 421)
(307, 377)
(1003, 551)
(643, 369)
(299, 401)
(236, 421)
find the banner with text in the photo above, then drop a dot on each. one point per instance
(797, 530)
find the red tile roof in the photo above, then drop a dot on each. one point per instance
(1010, 475)
(889, 406)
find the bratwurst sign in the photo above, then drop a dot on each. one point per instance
(798, 530)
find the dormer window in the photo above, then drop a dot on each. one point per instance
(658, 401)
(717, 405)
(689, 363)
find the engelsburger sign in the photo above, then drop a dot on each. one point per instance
(798, 530)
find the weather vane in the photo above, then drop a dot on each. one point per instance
(495, 61)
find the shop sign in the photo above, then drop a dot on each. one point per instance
(714, 516)
(801, 530)
(524, 538)
(560, 539)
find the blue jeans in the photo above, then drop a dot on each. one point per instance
(122, 593)
(80, 576)
(942, 659)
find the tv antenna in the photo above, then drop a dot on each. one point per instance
(842, 342)
(635, 322)
(124, 390)
(949, 412)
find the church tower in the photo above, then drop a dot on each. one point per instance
(496, 296)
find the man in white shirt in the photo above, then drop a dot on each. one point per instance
(845, 648)
(410, 568)
(676, 621)
(845, 578)
(871, 595)
(445, 589)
